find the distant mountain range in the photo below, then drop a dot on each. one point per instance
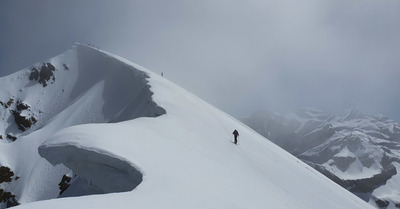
(360, 152)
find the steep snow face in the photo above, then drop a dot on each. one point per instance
(79, 86)
(355, 150)
(117, 175)
(180, 157)
(118, 91)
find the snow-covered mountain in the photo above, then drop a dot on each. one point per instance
(88, 129)
(358, 151)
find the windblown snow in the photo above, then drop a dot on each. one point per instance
(109, 127)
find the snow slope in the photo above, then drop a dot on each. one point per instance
(137, 140)
(89, 87)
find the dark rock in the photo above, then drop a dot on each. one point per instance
(34, 74)
(8, 198)
(1, 137)
(51, 67)
(12, 138)
(33, 120)
(21, 106)
(9, 103)
(21, 121)
(5, 174)
(382, 203)
(45, 75)
(65, 66)
(64, 184)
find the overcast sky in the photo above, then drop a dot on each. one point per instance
(241, 56)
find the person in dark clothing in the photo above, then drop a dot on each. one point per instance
(235, 134)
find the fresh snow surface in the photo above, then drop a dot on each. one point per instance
(134, 139)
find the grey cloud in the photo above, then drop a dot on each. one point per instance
(238, 55)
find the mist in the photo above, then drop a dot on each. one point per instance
(240, 56)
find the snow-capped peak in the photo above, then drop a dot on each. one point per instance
(113, 128)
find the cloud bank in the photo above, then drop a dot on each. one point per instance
(239, 56)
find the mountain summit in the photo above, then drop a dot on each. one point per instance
(91, 124)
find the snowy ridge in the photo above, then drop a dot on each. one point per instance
(89, 87)
(127, 130)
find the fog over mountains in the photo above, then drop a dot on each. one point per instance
(358, 151)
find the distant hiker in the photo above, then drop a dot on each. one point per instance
(235, 134)
(162, 74)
